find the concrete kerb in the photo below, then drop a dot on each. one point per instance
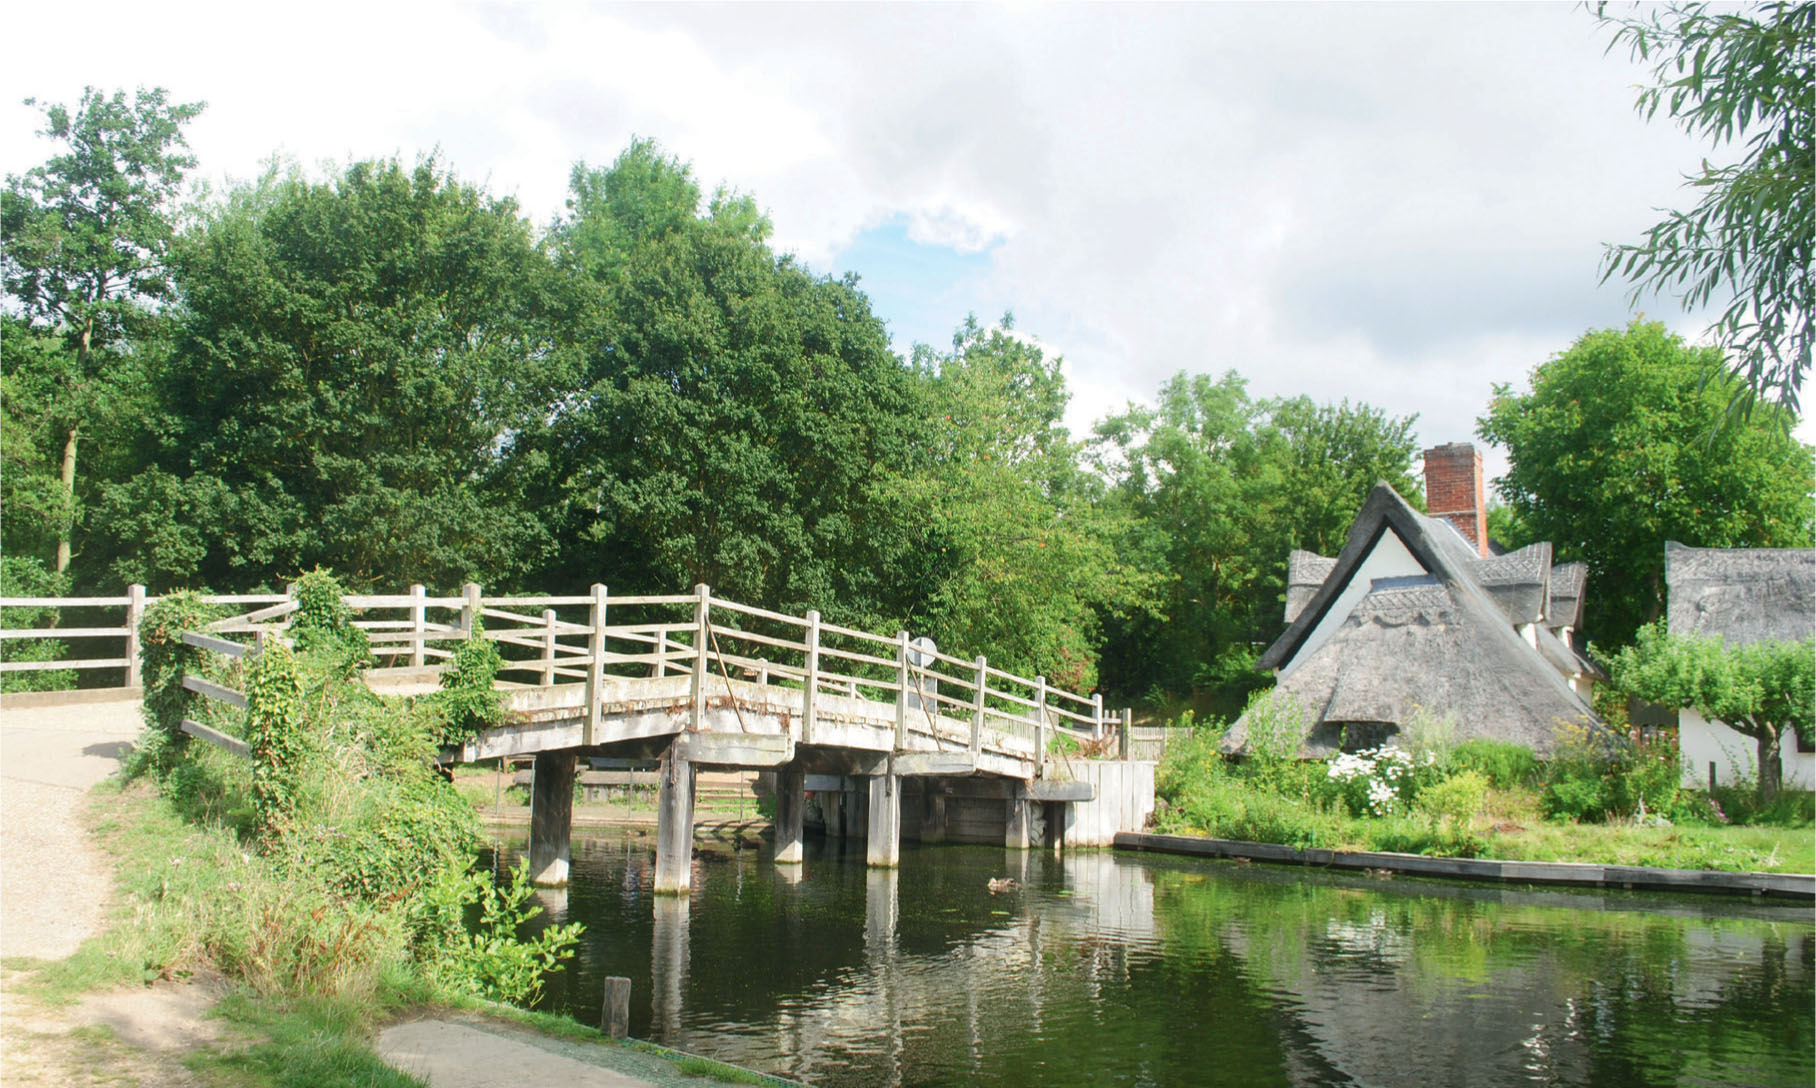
(1579, 874)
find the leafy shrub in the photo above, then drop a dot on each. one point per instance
(1602, 776)
(323, 624)
(1276, 727)
(1740, 804)
(495, 961)
(1506, 765)
(23, 577)
(1456, 801)
(278, 734)
(468, 700)
(1429, 737)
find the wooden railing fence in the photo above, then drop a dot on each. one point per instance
(587, 638)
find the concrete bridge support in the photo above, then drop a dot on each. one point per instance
(675, 823)
(1019, 819)
(551, 818)
(885, 816)
(789, 803)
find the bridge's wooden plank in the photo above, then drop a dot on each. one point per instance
(73, 663)
(752, 636)
(849, 632)
(668, 599)
(752, 610)
(218, 645)
(536, 622)
(217, 738)
(215, 691)
(542, 602)
(64, 632)
(850, 655)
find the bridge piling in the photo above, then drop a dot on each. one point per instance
(675, 824)
(789, 803)
(885, 816)
(1015, 831)
(551, 817)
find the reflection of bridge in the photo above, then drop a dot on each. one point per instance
(694, 681)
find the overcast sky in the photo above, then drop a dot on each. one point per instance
(1402, 204)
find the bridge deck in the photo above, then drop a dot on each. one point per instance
(746, 724)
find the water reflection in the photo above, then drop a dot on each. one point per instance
(1102, 968)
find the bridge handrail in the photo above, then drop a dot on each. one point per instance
(673, 645)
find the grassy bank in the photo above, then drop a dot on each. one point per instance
(1611, 805)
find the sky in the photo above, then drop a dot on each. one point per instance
(1402, 204)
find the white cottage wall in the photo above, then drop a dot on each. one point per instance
(1701, 742)
(1389, 558)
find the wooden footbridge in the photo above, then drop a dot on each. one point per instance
(692, 680)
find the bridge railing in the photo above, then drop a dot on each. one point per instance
(553, 639)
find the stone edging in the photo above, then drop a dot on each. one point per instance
(1584, 874)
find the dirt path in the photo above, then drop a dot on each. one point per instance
(54, 886)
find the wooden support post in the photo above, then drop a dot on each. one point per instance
(901, 691)
(832, 806)
(933, 813)
(548, 647)
(135, 611)
(668, 964)
(789, 803)
(595, 664)
(418, 623)
(1015, 826)
(551, 817)
(702, 639)
(675, 824)
(811, 688)
(1040, 727)
(660, 668)
(977, 706)
(1125, 749)
(469, 611)
(1097, 713)
(615, 1013)
(885, 816)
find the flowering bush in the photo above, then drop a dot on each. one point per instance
(1379, 781)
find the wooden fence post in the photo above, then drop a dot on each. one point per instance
(135, 611)
(703, 598)
(901, 690)
(595, 662)
(811, 693)
(615, 1016)
(469, 612)
(418, 624)
(1097, 714)
(1040, 727)
(548, 647)
(977, 707)
(661, 667)
(1128, 724)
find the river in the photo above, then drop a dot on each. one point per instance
(1102, 968)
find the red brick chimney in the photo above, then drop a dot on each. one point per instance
(1453, 491)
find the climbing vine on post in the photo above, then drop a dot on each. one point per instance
(275, 731)
(468, 698)
(323, 623)
(164, 659)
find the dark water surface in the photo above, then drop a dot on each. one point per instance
(1118, 969)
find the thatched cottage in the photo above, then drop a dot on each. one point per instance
(1418, 612)
(1743, 595)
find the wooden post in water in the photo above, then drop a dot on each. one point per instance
(135, 611)
(789, 802)
(615, 1014)
(418, 623)
(675, 824)
(551, 817)
(884, 842)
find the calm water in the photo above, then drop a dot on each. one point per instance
(1117, 969)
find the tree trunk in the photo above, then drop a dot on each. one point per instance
(69, 498)
(1770, 771)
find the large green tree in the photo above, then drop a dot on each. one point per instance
(351, 358)
(1225, 486)
(1759, 690)
(727, 414)
(86, 235)
(1011, 549)
(1735, 74)
(1620, 447)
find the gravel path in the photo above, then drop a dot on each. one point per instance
(53, 883)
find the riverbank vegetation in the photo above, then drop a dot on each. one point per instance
(1598, 799)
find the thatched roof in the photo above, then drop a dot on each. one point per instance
(1566, 606)
(1444, 641)
(1742, 594)
(1305, 572)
